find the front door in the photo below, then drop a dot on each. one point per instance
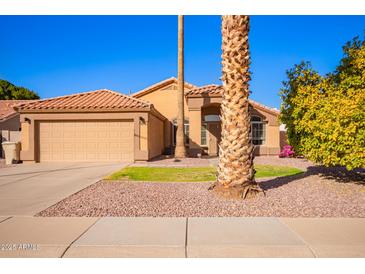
(214, 137)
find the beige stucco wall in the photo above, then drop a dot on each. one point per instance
(25, 136)
(195, 130)
(272, 136)
(143, 142)
(165, 101)
(272, 141)
(155, 136)
(167, 133)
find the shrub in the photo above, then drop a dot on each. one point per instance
(325, 115)
(287, 152)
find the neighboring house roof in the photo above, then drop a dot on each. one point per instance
(98, 100)
(7, 110)
(160, 85)
(216, 91)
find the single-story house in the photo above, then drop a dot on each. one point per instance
(202, 121)
(104, 125)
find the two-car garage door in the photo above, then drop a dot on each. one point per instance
(86, 140)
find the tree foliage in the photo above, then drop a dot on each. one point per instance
(8, 91)
(325, 115)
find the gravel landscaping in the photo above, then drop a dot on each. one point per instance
(319, 192)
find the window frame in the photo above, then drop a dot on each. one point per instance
(218, 118)
(205, 126)
(262, 138)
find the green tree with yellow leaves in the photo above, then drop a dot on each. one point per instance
(325, 115)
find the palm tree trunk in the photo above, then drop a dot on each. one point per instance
(180, 151)
(235, 169)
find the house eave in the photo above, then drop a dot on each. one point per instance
(9, 117)
(203, 96)
(84, 110)
(160, 85)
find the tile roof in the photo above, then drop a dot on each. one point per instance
(206, 90)
(218, 90)
(103, 99)
(7, 107)
(163, 83)
(272, 110)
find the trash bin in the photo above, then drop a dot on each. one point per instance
(12, 152)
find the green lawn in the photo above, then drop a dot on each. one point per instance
(191, 174)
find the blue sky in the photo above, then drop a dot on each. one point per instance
(58, 55)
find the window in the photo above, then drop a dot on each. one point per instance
(257, 130)
(203, 135)
(186, 129)
(211, 118)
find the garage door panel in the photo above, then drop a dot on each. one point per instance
(55, 133)
(69, 133)
(102, 147)
(86, 141)
(114, 146)
(80, 133)
(115, 134)
(102, 133)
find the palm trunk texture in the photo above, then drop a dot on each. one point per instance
(235, 169)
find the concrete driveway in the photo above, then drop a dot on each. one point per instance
(27, 189)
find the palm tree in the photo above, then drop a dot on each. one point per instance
(235, 169)
(180, 151)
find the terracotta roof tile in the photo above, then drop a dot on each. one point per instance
(102, 99)
(7, 107)
(206, 90)
(218, 90)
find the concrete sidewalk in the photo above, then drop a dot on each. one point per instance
(181, 237)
